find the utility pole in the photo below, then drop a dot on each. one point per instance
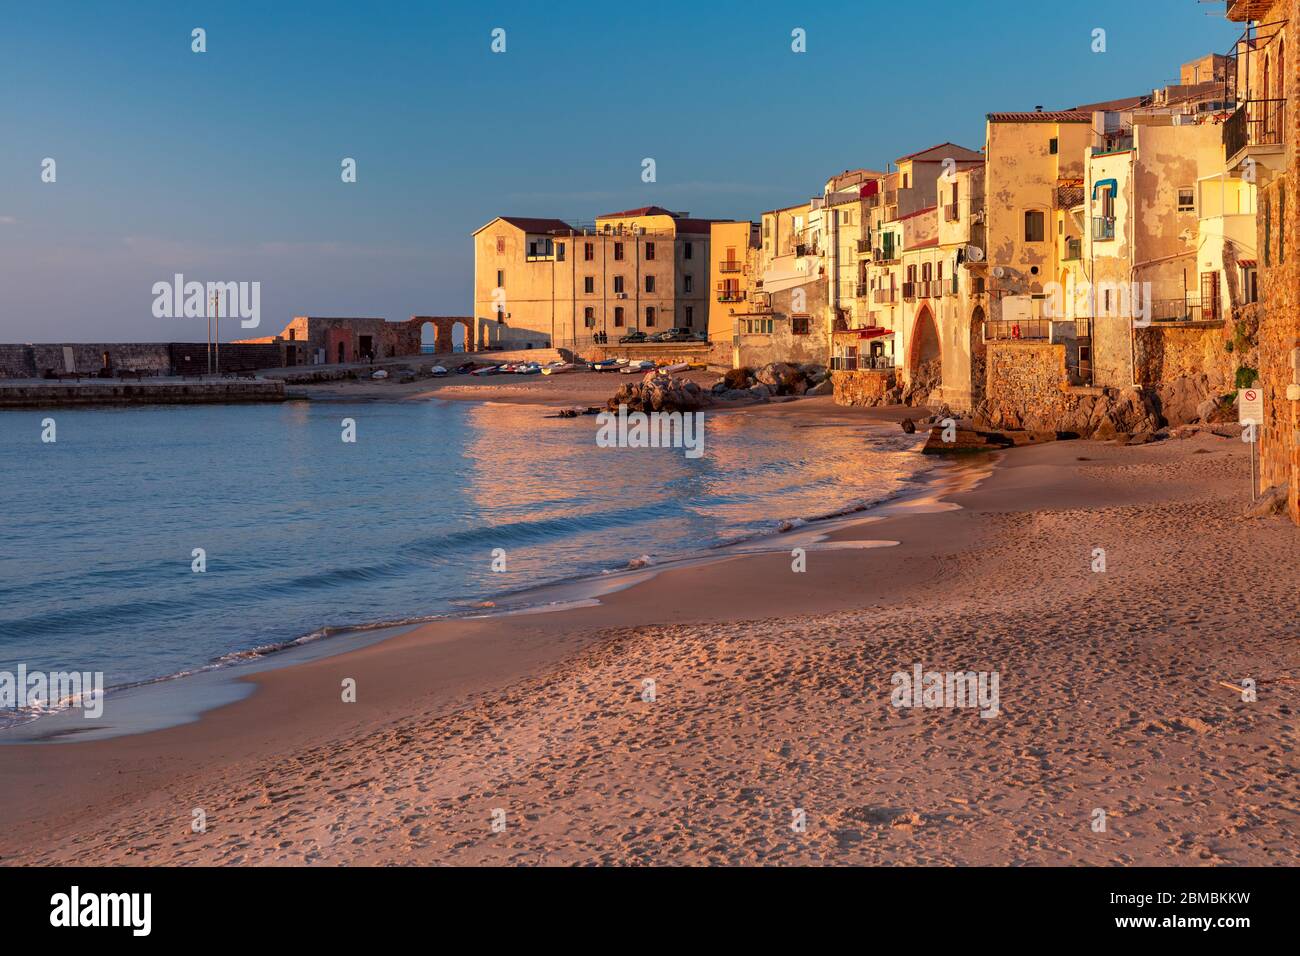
(216, 312)
(208, 315)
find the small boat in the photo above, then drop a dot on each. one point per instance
(529, 369)
(379, 373)
(679, 367)
(437, 371)
(558, 368)
(604, 365)
(486, 370)
(633, 368)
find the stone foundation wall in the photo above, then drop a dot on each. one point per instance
(1167, 353)
(1025, 387)
(863, 388)
(32, 361)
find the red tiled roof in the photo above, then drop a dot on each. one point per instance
(1034, 116)
(917, 213)
(931, 149)
(631, 213)
(1124, 103)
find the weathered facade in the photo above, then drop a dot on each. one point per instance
(1262, 142)
(542, 283)
(321, 340)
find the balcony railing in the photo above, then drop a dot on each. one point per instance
(1103, 228)
(950, 212)
(730, 265)
(864, 246)
(886, 296)
(861, 291)
(1256, 123)
(731, 295)
(1189, 309)
(1073, 249)
(1010, 330)
(861, 363)
(909, 291)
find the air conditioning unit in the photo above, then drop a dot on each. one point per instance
(620, 295)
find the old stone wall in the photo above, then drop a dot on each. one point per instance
(1165, 354)
(32, 361)
(1025, 386)
(865, 387)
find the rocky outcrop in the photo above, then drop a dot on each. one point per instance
(772, 380)
(1104, 416)
(661, 393)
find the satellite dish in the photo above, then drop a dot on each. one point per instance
(974, 253)
(999, 272)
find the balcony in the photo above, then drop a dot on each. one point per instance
(950, 212)
(1073, 249)
(863, 246)
(885, 296)
(1010, 331)
(730, 265)
(909, 291)
(1256, 124)
(861, 291)
(1103, 228)
(861, 363)
(1186, 310)
(731, 295)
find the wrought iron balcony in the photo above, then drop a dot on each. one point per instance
(1103, 228)
(730, 265)
(950, 212)
(909, 291)
(1073, 249)
(1256, 123)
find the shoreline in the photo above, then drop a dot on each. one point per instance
(187, 695)
(545, 716)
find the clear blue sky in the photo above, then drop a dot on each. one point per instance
(225, 165)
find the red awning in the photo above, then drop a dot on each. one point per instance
(872, 332)
(1246, 263)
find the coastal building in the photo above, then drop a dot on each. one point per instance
(786, 314)
(891, 333)
(1262, 146)
(734, 265)
(321, 340)
(545, 283)
(959, 303)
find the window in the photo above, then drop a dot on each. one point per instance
(501, 279)
(906, 179)
(690, 316)
(559, 251)
(1250, 284)
(756, 326)
(649, 251)
(1186, 199)
(589, 317)
(589, 284)
(767, 230)
(649, 283)
(846, 217)
(618, 316)
(798, 325)
(1210, 296)
(649, 315)
(688, 281)
(618, 252)
(1034, 226)
(501, 245)
(588, 251)
(618, 284)
(1108, 202)
(687, 250)
(1054, 146)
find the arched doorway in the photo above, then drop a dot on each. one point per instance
(978, 356)
(428, 338)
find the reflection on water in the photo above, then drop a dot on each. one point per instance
(302, 530)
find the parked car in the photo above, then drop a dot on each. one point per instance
(636, 335)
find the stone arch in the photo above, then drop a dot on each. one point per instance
(924, 347)
(445, 333)
(978, 356)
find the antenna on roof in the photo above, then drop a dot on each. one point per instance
(1038, 109)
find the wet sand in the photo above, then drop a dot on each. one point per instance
(772, 694)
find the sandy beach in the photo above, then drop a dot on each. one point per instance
(531, 739)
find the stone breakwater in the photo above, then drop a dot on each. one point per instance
(114, 392)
